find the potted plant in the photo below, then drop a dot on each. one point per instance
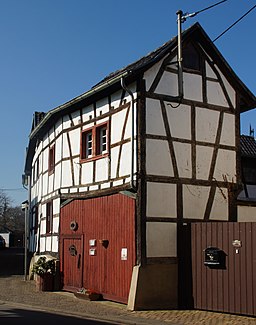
(44, 269)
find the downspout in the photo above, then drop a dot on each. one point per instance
(26, 206)
(132, 132)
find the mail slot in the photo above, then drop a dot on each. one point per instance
(212, 256)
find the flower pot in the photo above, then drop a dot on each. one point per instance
(44, 282)
(93, 296)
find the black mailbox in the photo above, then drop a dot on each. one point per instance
(212, 256)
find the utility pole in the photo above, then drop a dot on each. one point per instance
(179, 58)
(25, 207)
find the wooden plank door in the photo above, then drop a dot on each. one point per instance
(109, 219)
(231, 285)
(72, 262)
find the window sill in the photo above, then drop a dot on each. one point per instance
(93, 158)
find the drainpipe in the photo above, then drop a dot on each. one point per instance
(180, 20)
(25, 207)
(132, 131)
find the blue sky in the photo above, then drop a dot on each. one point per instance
(54, 50)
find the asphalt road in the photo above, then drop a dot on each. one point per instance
(12, 263)
(14, 315)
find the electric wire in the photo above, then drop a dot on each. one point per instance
(216, 4)
(237, 21)
(187, 15)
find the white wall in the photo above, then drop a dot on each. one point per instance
(6, 237)
(161, 239)
(246, 213)
(72, 176)
(184, 170)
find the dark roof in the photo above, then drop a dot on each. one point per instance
(143, 62)
(248, 146)
(131, 72)
(247, 99)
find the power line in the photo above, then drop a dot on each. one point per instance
(193, 14)
(216, 4)
(234, 23)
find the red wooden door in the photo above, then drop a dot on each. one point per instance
(72, 262)
(110, 218)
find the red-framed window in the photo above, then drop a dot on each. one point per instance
(51, 163)
(87, 144)
(94, 142)
(101, 140)
(49, 217)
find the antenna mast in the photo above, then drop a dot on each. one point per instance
(180, 20)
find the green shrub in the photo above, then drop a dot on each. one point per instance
(42, 266)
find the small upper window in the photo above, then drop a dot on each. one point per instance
(94, 142)
(49, 217)
(51, 159)
(36, 170)
(191, 58)
(35, 213)
(87, 144)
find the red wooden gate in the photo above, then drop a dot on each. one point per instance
(107, 225)
(231, 285)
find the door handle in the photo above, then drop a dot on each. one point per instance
(79, 261)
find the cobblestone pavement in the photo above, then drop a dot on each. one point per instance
(13, 289)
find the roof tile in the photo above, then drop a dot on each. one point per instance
(248, 146)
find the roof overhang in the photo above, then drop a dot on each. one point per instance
(112, 82)
(70, 106)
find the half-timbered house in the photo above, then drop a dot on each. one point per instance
(115, 172)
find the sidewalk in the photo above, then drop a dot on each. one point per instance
(14, 289)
